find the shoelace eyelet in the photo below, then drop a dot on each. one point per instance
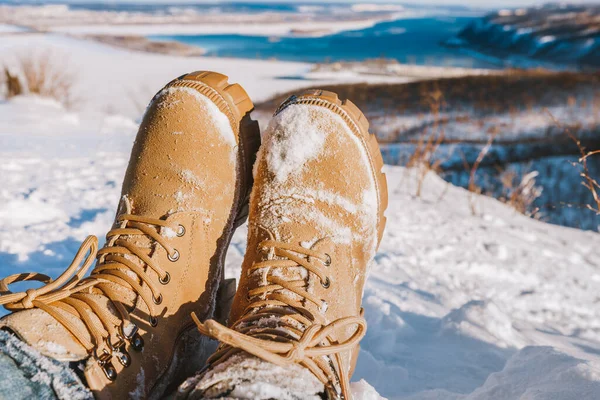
(173, 257)
(166, 279)
(180, 230)
(109, 371)
(134, 338)
(153, 321)
(119, 351)
(115, 346)
(104, 361)
(132, 329)
(158, 300)
(124, 358)
(327, 262)
(137, 342)
(326, 284)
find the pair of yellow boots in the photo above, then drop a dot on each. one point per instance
(315, 198)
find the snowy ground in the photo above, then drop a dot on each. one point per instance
(4, 28)
(460, 306)
(305, 21)
(241, 28)
(118, 81)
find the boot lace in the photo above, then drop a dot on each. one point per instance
(75, 294)
(299, 336)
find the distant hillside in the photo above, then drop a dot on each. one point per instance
(565, 34)
(526, 114)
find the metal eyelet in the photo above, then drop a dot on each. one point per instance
(166, 279)
(180, 230)
(119, 351)
(158, 300)
(123, 357)
(132, 332)
(137, 342)
(173, 257)
(104, 361)
(116, 346)
(153, 321)
(326, 284)
(327, 262)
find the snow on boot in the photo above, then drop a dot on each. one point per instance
(128, 324)
(245, 377)
(316, 220)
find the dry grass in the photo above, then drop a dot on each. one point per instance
(11, 83)
(521, 192)
(475, 99)
(473, 187)
(588, 181)
(486, 95)
(423, 158)
(44, 73)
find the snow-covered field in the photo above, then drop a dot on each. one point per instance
(241, 28)
(460, 306)
(6, 28)
(305, 21)
(122, 82)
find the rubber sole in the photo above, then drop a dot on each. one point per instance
(358, 123)
(235, 103)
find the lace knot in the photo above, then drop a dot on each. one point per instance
(279, 297)
(30, 295)
(297, 353)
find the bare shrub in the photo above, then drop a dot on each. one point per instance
(521, 192)
(588, 181)
(3, 85)
(12, 83)
(44, 73)
(473, 187)
(423, 158)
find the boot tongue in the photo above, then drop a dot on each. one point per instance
(258, 278)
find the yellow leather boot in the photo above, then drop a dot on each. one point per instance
(185, 191)
(316, 220)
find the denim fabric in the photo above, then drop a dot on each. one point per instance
(26, 374)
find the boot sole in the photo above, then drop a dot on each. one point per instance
(358, 123)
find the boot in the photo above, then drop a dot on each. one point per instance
(128, 324)
(316, 220)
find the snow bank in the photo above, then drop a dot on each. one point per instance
(117, 81)
(541, 373)
(5, 28)
(309, 28)
(460, 304)
(451, 298)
